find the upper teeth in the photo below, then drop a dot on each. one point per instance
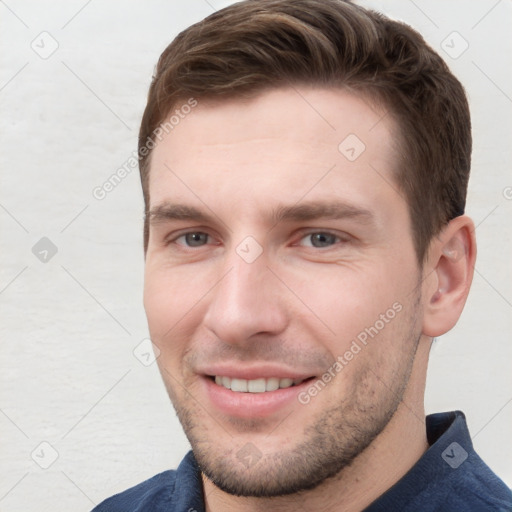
(255, 385)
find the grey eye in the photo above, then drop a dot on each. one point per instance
(196, 239)
(322, 239)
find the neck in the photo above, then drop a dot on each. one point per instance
(387, 459)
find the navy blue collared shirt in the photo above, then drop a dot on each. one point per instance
(449, 477)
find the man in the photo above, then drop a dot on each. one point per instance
(304, 166)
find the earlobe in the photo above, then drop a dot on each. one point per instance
(451, 264)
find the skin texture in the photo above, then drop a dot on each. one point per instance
(298, 307)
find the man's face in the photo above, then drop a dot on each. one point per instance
(280, 252)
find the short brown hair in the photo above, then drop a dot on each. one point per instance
(255, 45)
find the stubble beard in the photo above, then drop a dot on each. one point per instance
(328, 446)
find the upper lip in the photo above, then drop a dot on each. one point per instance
(257, 371)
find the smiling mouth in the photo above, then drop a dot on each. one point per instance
(261, 385)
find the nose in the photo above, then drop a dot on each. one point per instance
(246, 302)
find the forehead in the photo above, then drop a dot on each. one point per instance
(283, 143)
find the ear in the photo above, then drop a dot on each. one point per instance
(448, 275)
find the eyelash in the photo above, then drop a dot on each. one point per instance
(325, 233)
(339, 239)
(183, 235)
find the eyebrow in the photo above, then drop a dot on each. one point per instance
(169, 211)
(306, 211)
(322, 210)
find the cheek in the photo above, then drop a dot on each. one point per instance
(344, 301)
(172, 300)
(172, 318)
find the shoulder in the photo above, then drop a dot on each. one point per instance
(468, 482)
(177, 490)
(459, 480)
(152, 494)
(449, 477)
(476, 487)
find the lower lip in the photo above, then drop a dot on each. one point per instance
(251, 405)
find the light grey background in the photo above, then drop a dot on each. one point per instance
(70, 325)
